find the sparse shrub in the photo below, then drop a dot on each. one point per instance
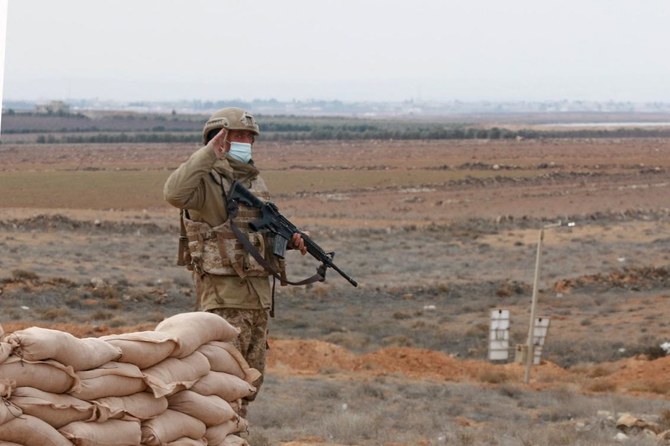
(510, 391)
(155, 316)
(117, 321)
(122, 283)
(465, 438)
(554, 414)
(21, 274)
(182, 282)
(601, 386)
(654, 352)
(105, 292)
(102, 315)
(62, 281)
(258, 439)
(493, 376)
(52, 314)
(660, 388)
(599, 372)
(559, 435)
(478, 330)
(296, 324)
(273, 414)
(563, 395)
(12, 314)
(664, 419)
(73, 301)
(114, 303)
(349, 340)
(329, 391)
(350, 427)
(366, 389)
(397, 341)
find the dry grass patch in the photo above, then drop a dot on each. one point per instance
(658, 387)
(83, 190)
(600, 385)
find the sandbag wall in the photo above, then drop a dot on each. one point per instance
(179, 385)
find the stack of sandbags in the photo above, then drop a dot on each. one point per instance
(180, 384)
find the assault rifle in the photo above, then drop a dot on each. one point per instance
(283, 229)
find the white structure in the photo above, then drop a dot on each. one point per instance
(499, 335)
(540, 329)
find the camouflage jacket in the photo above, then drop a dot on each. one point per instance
(192, 186)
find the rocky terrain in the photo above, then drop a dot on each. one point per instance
(438, 234)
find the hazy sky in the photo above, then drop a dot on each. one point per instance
(349, 49)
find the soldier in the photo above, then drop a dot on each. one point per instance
(228, 280)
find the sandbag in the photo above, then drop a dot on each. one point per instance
(225, 357)
(5, 350)
(7, 385)
(140, 406)
(228, 387)
(234, 440)
(211, 409)
(193, 329)
(8, 411)
(56, 409)
(170, 426)
(110, 379)
(236, 405)
(185, 441)
(31, 431)
(109, 433)
(216, 435)
(144, 348)
(49, 376)
(172, 375)
(36, 344)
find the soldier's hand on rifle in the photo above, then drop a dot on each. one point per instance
(218, 144)
(298, 243)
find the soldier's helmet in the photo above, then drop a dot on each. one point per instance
(231, 118)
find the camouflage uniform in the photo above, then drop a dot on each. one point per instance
(252, 342)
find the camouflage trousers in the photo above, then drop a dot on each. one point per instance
(252, 341)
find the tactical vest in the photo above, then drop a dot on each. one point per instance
(216, 250)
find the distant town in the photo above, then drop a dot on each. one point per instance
(315, 107)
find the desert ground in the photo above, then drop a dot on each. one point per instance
(437, 233)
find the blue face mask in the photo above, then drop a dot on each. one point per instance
(241, 151)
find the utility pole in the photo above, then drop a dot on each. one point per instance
(530, 350)
(530, 343)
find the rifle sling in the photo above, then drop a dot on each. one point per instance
(251, 249)
(184, 255)
(232, 208)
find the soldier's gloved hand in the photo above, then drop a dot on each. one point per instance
(219, 144)
(298, 243)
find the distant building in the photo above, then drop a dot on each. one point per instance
(53, 107)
